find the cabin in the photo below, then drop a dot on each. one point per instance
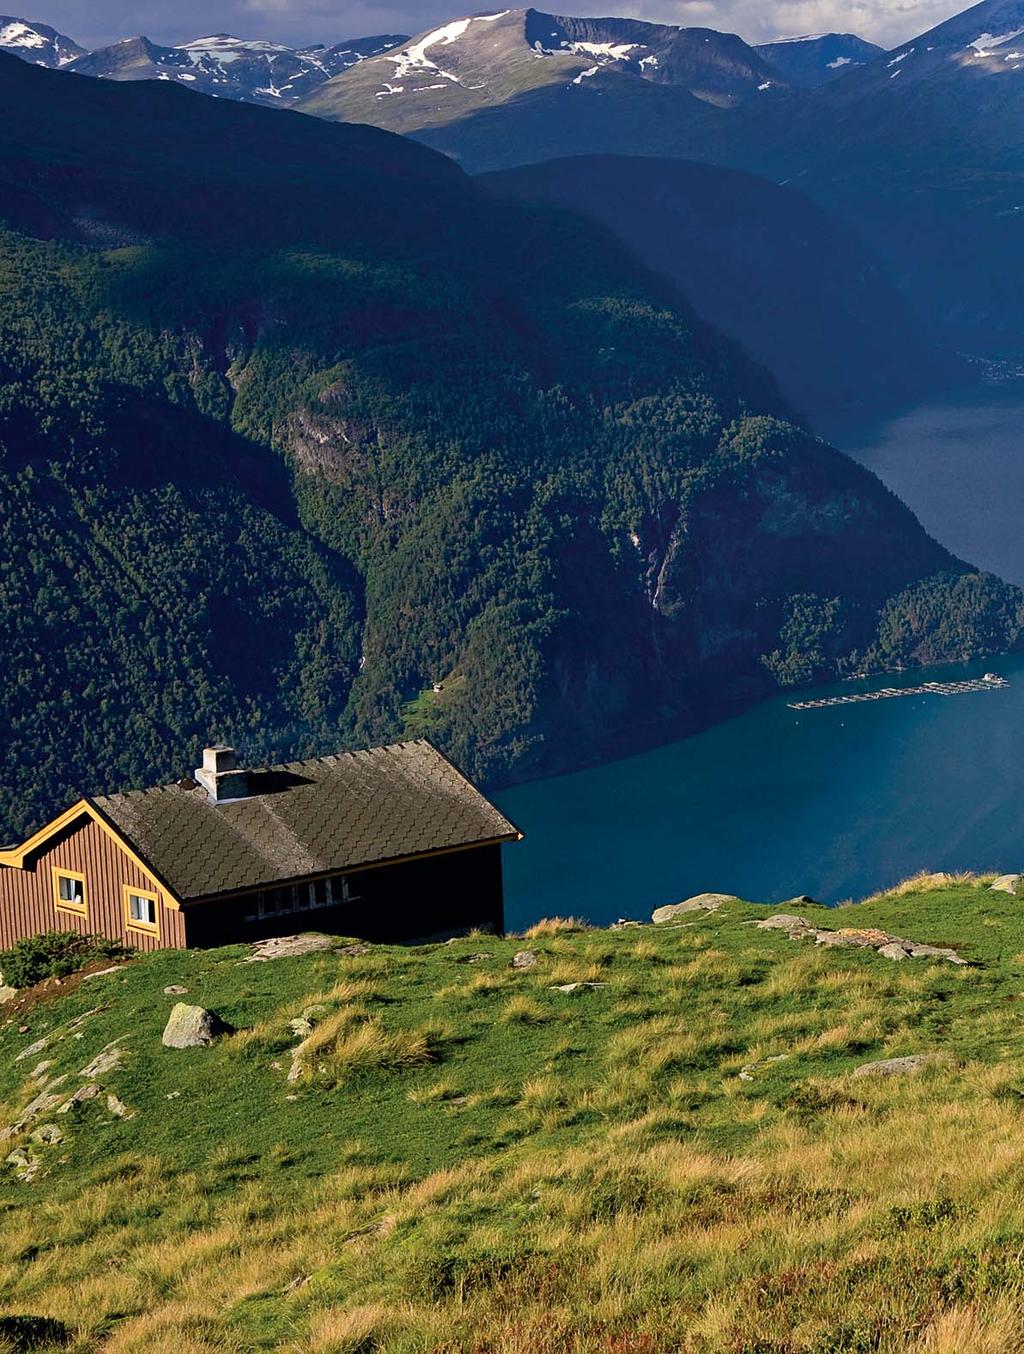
(391, 843)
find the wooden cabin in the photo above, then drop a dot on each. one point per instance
(387, 844)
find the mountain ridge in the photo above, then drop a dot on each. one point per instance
(480, 62)
(221, 65)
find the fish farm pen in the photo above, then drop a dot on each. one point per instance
(990, 682)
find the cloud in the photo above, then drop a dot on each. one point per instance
(96, 22)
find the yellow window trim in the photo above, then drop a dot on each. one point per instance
(16, 857)
(143, 927)
(59, 903)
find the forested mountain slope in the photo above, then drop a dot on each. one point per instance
(765, 265)
(296, 421)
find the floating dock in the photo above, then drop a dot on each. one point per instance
(990, 682)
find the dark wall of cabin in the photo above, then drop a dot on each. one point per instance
(409, 901)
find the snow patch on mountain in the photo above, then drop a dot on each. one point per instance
(983, 44)
(613, 51)
(415, 57)
(20, 35)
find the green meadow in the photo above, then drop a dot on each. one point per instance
(451, 1154)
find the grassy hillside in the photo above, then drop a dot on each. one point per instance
(678, 1157)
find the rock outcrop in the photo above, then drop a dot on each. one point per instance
(897, 1067)
(864, 937)
(701, 902)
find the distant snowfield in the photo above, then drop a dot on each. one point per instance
(20, 35)
(415, 57)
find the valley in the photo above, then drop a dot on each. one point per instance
(492, 452)
(831, 803)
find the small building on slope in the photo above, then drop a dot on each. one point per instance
(387, 844)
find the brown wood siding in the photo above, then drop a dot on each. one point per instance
(26, 896)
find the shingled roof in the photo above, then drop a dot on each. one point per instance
(302, 819)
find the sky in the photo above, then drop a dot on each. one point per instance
(95, 23)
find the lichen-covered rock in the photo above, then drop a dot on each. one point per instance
(79, 1098)
(47, 1135)
(108, 1061)
(897, 1067)
(288, 947)
(783, 921)
(894, 951)
(192, 1027)
(1008, 883)
(524, 959)
(118, 1108)
(32, 1050)
(701, 902)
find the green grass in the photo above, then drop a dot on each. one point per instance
(470, 1161)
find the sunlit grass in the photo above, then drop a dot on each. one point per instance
(469, 1161)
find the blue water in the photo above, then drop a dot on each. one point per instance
(833, 803)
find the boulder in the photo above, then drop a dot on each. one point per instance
(25, 1166)
(524, 959)
(7, 994)
(936, 952)
(1006, 883)
(118, 1108)
(192, 1027)
(782, 921)
(897, 1067)
(894, 951)
(701, 902)
(48, 1135)
(287, 947)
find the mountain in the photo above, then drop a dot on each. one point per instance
(36, 42)
(818, 58)
(920, 151)
(982, 45)
(923, 151)
(764, 265)
(297, 423)
(229, 67)
(545, 85)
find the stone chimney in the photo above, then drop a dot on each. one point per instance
(221, 776)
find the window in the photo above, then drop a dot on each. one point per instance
(140, 910)
(301, 898)
(69, 892)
